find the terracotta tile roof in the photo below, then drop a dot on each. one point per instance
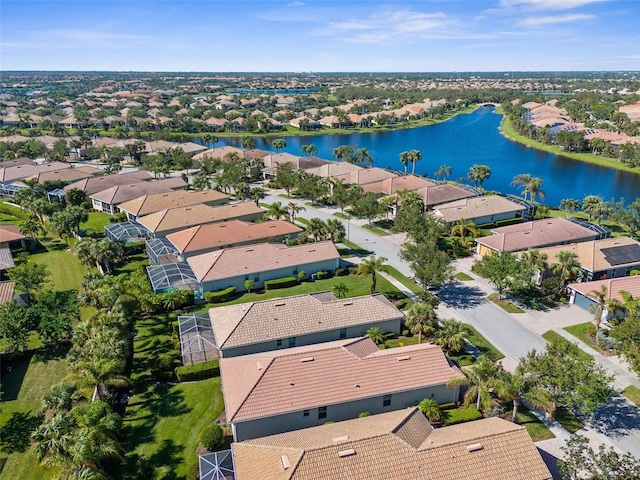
(377, 447)
(433, 195)
(221, 235)
(365, 175)
(476, 207)
(333, 169)
(147, 204)
(590, 253)
(258, 322)
(389, 186)
(6, 259)
(614, 287)
(277, 382)
(185, 217)
(97, 184)
(29, 170)
(536, 234)
(261, 257)
(10, 233)
(68, 174)
(6, 291)
(123, 193)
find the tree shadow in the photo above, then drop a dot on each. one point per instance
(13, 377)
(552, 463)
(167, 456)
(459, 295)
(15, 433)
(617, 419)
(54, 352)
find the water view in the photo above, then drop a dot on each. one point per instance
(475, 139)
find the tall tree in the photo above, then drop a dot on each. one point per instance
(414, 156)
(478, 174)
(343, 153)
(444, 171)
(517, 386)
(478, 379)
(279, 144)
(504, 270)
(581, 462)
(405, 158)
(570, 205)
(451, 336)
(276, 211)
(362, 156)
(294, 209)
(335, 229)
(371, 267)
(592, 204)
(567, 266)
(422, 319)
(29, 276)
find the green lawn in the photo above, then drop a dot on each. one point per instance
(356, 286)
(163, 421)
(66, 271)
(536, 429)
(355, 248)
(451, 417)
(580, 332)
(411, 286)
(376, 230)
(506, 305)
(94, 227)
(463, 277)
(632, 393)
(568, 420)
(551, 336)
(22, 391)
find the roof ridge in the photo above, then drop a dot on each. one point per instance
(196, 230)
(248, 394)
(513, 429)
(246, 312)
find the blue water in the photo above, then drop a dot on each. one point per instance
(471, 139)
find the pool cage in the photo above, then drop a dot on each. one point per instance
(217, 466)
(56, 195)
(172, 276)
(197, 342)
(8, 190)
(127, 231)
(161, 250)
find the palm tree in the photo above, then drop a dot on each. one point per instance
(592, 204)
(537, 260)
(517, 387)
(414, 156)
(342, 153)
(200, 182)
(279, 144)
(30, 229)
(570, 205)
(276, 211)
(371, 266)
(340, 290)
(61, 397)
(631, 303)
(478, 174)
(294, 209)
(377, 335)
(102, 374)
(317, 228)
(363, 157)
(478, 378)
(404, 160)
(335, 229)
(309, 150)
(421, 319)
(522, 180)
(535, 189)
(597, 309)
(430, 408)
(444, 171)
(567, 266)
(463, 228)
(452, 336)
(248, 143)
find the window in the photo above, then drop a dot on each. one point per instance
(292, 342)
(305, 413)
(386, 401)
(343, 333)
(278, 343)
(256, 278)
(246, 277)
(295, 272)
(322, 413)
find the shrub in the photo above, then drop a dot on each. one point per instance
(340, 272)
(211, 437)
(634, 272)
(605, 341)
(590, 329)
(163, 367)
(405, 333)
(363, 414)
(14, 211)
(220, 296)
(302, 275)
(198, 371)
(283, 282)
(322, 275)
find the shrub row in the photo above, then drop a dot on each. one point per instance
(14, 211)
(220, 296)
(283, 282)
(451, 417)
(323, 275)
(198, 371)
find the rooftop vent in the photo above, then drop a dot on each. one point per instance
(279, 304)
(346, 453)
(259, 365)
(346, 304)
(474, 447)
(306, 359)
(249, 250)
(312, 250)
(285, 462)
(340, 439)
(402, 359)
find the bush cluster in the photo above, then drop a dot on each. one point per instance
(341, 272)
(163, 367)
(220, 296)
(198, 371)
(14, 211)
(211, 437)
(283, 282)
(322, 275)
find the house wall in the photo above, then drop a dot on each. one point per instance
(498, 217)
(392, 325)
(335, 413)
(483, 250)
(259, 278)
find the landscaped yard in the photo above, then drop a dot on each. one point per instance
(463, 277)
(506, 305)
(537, 430)
(66, 271)
(411, 286)
(632, 393)
(94, 227)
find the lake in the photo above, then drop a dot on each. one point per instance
(475, 138)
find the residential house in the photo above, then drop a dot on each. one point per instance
(481, 210)
(300, 320)
(584, 294)
(171, 220)
(364, 176)
(147, 204)
(401, 445)
(535, 234)
(97, 184)
(19, 172)
(435, 195)
(10, 237)
(300, 387)
(390, 185)
(228, 267)
(108, 200)
(67, 174)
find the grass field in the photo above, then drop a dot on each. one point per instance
(411, 286)
(632, 393)
(536, 429)
(506, 305)
(22, 390)
(580, 332)
(463, 277)
(66, 271)
(94, 227)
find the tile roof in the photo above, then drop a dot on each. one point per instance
(442, 194)
(365, 175)
(6, 291)
(590, 254)
(185, 217)
(261, 257)
(10, 233)
(379, 447)
(68, 174)
(333, 169)
(124, 193)
(389, 186)
(535, 234)
(147, 204)
(226, 234)
(29, 170)
(97, 184)
(6, 259)
(258, 322)
(277, 382)
(614, 287)
(476, 207)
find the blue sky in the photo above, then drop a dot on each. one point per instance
(319, 35)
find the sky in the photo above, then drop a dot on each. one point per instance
(320, 35)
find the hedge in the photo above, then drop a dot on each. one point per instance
(211, 437)
(451, 417)
(14, 211)
(283, 282)
(220, 296)
(198, 371)
(322, 275)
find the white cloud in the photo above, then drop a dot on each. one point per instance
(295, 4)
(553, 19)
(547, 4)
